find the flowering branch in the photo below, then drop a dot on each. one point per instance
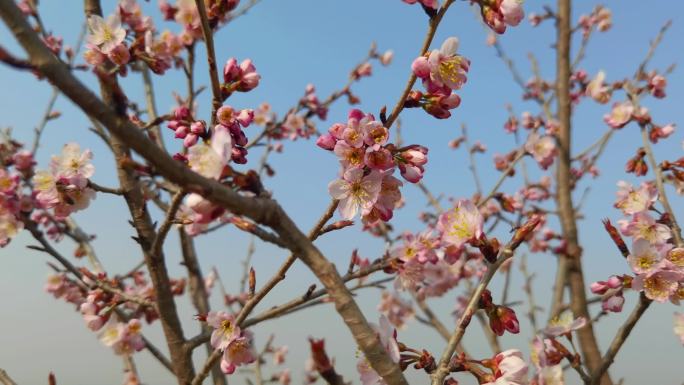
(432, 29)
(504, 254)
(211, 60)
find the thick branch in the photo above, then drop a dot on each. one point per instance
(570, 260)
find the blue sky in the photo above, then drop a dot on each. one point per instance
(297, 42)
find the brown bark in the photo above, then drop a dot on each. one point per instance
(142, 222)
(570, 261)
(198, 293)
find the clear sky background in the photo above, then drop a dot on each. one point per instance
(297, 42)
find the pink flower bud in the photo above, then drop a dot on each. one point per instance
(190, 140)
(231, 71)
(23, 160)
(326, 142)
(245, 117)
(197, 127)
(411, 173)
(249, 82)
(173, 124)
(182, 113)
(420, 67)
(386, 58)
(355, 114)
(247, 66)
(415, 156)
(336, 130)
(182, 132)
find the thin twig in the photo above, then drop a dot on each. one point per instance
(217, 99)
(620, 338)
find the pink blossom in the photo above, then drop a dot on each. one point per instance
(542, 148)
(105, 34)
(23, 160)
(620, 115)
(601, 287)
(225, 329)
(439, 105)
(656, 85)
(238, 352)
(263, 115)
(646, 258)
(512, 12)
(350, 157)
(326, 141)
(643, 226)
(206, 160)
(676, 258)
(632, 201)
(658, 285)
(447, 69)
(356, 191)
(72, 164)
(119, 55)
(378, 158)
(187, 14)
(462, 224)
(386, 57)
(657, 132)
(389, 199)
(124, 338)
(93, 321)
(604, 18)
(566, 323)
(374, 133)
(598, 90)
(244, 76)
(511, 369)
(9, 226)
(613, 303)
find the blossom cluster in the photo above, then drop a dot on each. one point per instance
(657, 264)
(233, 342)
(15, 164)
(442, 71)
(108, 43)
(368, 161)
(128, 35)
(64, 187)
(97, 306)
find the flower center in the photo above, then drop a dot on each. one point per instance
(452, 71)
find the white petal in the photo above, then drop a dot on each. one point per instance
(339, 189)
(449, 47)
(348, 208)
